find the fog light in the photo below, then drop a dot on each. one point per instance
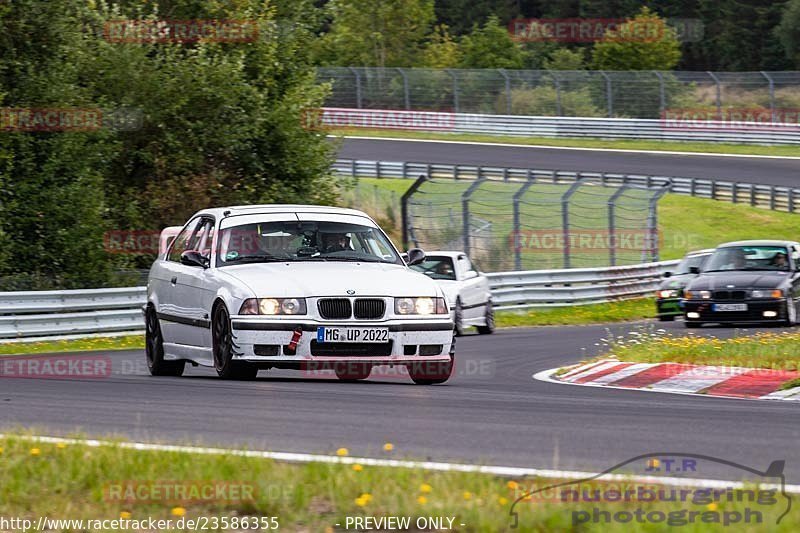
(692, 315)
(770, 314)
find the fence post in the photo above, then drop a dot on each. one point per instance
(455, 89)
(662, 95)
(515, 231)
(612, 225)
(609, 95)
(565, 219)
(508, 89)
(358, 86)
(404, 207)
(557, 84)
(406, 97)
(465, 211)
(652, 219)
(771, 95)
(719, 94)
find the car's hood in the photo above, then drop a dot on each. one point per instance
(738, 280)
(331, 279)
(450, 289)
(676, 282)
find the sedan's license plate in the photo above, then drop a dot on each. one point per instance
(329, 334)
(730, 307)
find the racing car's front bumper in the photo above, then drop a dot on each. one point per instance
(258, 340)
(701, 311)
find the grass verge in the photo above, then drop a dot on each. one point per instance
(665, 146)
(625, 310)
(77, 482)
(127, 342)
(773, 350)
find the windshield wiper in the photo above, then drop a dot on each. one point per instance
(257, 259)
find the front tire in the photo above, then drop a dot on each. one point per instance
(459, 318)
(488, 328)
(222, 347)
(154, 348)
(666, 318)
(692, 324)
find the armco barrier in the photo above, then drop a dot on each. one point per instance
(574, 286)
(91, 311)
(766, 196)
(573, 127)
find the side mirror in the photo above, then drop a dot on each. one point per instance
(667, 274)
(694, 270)
(415, 256)
(194, 258)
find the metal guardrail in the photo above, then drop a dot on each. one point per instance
(42, 313)
(574, 286)
(52, 313)
(766, 196)
(571, 127)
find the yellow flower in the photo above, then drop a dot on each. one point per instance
(124, 515)
(422, 500)
(1, 449)
(361, 502)
(178, 511)
(502, 501)
(61, 445)
(425, 488)
(467, 495)
(712, 506)
(35, 451)
(341, 452)
(388, 447)
(513, 485)
(357, 467)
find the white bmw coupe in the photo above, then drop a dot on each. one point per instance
(291, 286)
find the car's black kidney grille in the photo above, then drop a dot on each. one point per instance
(351, 349)
(730, 295)
(334, 308)
(369, 308)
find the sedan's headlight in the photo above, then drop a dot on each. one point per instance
(697, 295)
(766, 293)
(273, 306)
(420, 306)
(666, 293)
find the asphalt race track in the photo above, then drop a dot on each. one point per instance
(782, 172)
(491, 412)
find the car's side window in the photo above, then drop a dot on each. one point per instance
(183, 241)
(204, 237)
(464, 264)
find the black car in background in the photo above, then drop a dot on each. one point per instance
(670, 290)
(746, 281)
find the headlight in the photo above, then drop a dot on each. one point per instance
(420, 306)
(273, 306)
(696, 295)
(766, 293)
(667, 293)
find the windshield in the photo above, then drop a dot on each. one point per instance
(748, 258)
(691, 261)
(437, 268)
(264, 242)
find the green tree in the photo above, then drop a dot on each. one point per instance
(491, 46)
(643, 42)
(565, 59)
(441, 51)
(379, 33)
(788, 31)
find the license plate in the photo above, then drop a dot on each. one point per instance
(730, 307)
(329, 334)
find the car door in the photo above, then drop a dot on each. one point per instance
(794, 254)
(472, 295)
(184, 313)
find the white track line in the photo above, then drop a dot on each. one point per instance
(539, 146)
(505, 471)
